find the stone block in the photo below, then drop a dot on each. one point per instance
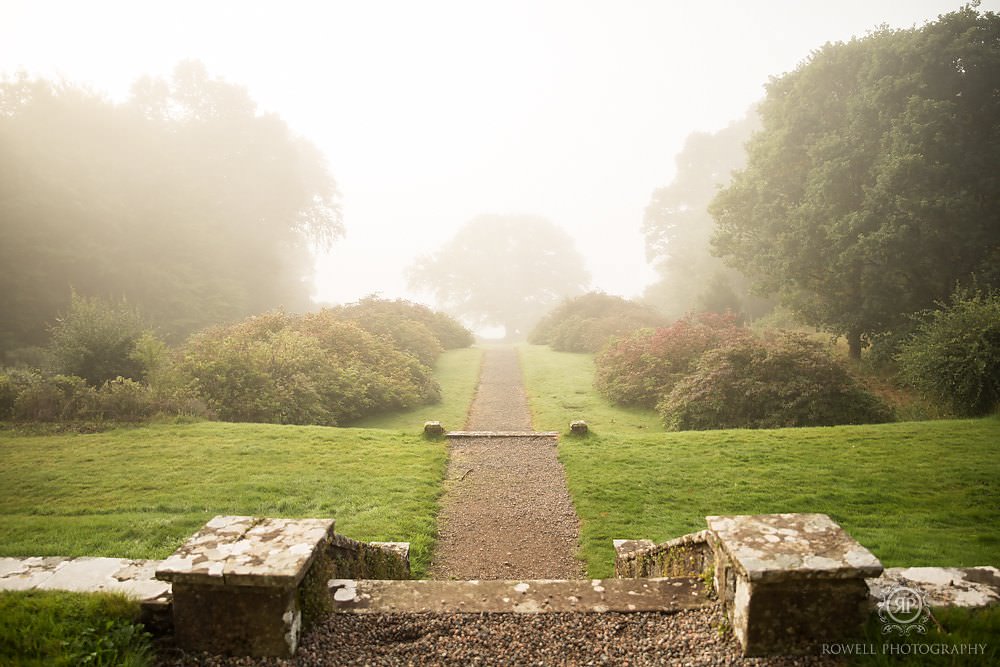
(790, 582)
(235, 584)
(686, 556)
(433, 429)
(579, 427)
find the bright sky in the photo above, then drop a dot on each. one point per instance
(432, 112)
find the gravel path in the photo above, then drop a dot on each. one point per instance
(506, 511)
(686, 638)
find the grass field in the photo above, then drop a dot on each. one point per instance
(457, 371)
(915, 493)
(139, 492)
(560, 387)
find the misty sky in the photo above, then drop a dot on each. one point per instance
(431, 113)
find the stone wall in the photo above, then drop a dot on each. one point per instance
(687, 556)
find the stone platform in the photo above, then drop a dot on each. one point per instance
(134, 578)
(520, 597)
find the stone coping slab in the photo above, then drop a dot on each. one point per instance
(785, 547)
(247, 551)
(133, 578)
(970, 587)
(502, 434)
(519, 597)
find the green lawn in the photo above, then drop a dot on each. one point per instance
(457, 371)
(139, 492)
(560, 388)
(915, 493)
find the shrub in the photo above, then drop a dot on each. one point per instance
(639, 368)
(383, 316)
(785, 381)
(54, 398)
(316, 369)
(954, 355)
(585, 323)
(96, 340)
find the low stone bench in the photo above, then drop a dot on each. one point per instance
(790, 582)
(236, 584)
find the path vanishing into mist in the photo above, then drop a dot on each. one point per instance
(506, 512)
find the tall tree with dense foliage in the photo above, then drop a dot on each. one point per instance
(678, 228)
(503, 270)
(185, 200)
(872, 188)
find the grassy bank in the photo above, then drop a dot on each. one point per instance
(560, 388)
(915, 493)
(138, 493)
(457, 371)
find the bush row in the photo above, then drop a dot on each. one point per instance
(323, 368)
(586, 323)
(705, 371)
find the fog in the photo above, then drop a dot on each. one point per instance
(431, 113)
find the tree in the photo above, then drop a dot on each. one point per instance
(872, 188)
(678, 228)
(503, 270)
(185, 200)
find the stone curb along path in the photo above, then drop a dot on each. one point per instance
(506, 512)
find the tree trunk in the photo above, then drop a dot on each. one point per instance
(854, 344)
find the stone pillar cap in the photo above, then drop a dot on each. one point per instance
(780, 547)
(247, 551)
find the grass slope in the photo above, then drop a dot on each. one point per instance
(138, 493)
(457, 371)
(915, 493)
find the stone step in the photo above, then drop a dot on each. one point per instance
(524, 597)
(502, 434)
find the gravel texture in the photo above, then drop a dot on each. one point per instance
(506, 511)
(683, 638)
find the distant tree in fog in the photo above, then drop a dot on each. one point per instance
(185, 200)
(678, 228)
(503, 270)
(873, 187)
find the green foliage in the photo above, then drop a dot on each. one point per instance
(638, 369)
(585, 323)
(383, 316)
(503, 270)
(315, 369)
(98, 341)
(185, 199)
(785, 381)
(677, 228)
(871, 190)
(60, 629)
(954, 354)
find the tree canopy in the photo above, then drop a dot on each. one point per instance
(872, 188)
(185, 200)
(503, 270)
(678, 228)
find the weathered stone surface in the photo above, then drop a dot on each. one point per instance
(237, 620)
(579, 427)
(502, 434)
(525, 597)
(790, 582)
(433, 428)
(247, 551)
(235, 584)
(969, 587)
(782, 547)
(134, 578)
(686, 556)
(375, 560)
